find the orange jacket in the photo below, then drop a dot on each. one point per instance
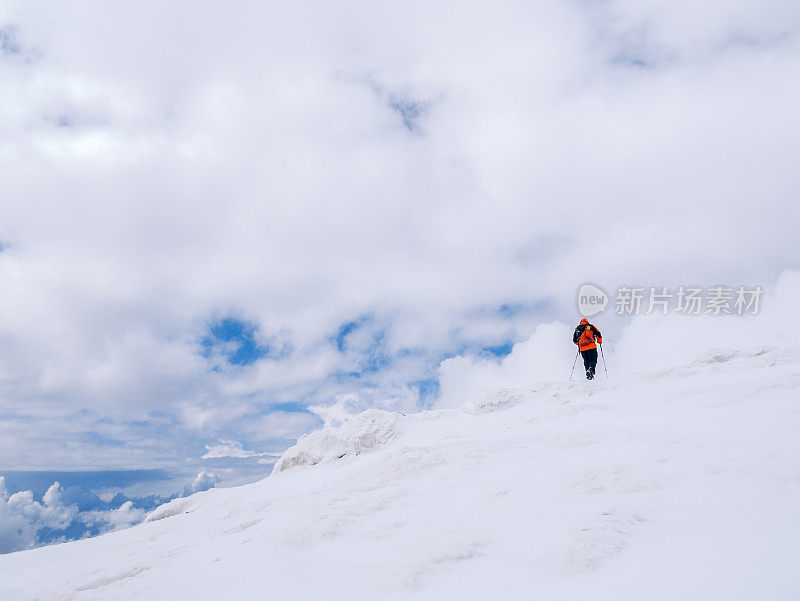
(586, 335)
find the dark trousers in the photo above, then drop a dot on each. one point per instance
(589, 359)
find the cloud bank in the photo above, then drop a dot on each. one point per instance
(76, 512)
(212, 220)
(21, 517)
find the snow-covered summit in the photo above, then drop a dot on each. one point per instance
(677, 484)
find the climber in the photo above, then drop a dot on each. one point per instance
(587, 337)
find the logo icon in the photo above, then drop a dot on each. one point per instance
(591, 300)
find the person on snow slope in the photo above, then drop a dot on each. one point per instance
(587, 337)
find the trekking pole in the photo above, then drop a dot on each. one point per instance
(573, 365)
(604, 359)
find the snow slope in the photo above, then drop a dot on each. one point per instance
(677, 485)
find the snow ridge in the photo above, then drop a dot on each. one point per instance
(676, 484)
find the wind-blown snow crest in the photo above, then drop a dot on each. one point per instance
(374, 427)
(359, 433)
(173, 507)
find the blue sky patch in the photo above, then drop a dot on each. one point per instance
(501, 350)
(347, 328)
(428, 390)
(9, 41)
(514, 310)
(99, 440)
(376, 360)
(366, 342)
(410, 111)
(235, 340)
(629, 59)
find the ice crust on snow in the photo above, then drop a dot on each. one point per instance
(722, 355)
(359, 433)
(492, 400)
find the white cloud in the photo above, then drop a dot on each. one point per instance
(124, 516)
(229, 448)
(203, 481)
(546, 355)
(336, 413)
(15, 534)
(21, 517)
(159, 182)
(286, 426)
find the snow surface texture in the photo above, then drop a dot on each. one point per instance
(674, 485)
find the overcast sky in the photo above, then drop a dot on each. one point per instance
(213, 215)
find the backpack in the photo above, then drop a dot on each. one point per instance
(579, 331)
